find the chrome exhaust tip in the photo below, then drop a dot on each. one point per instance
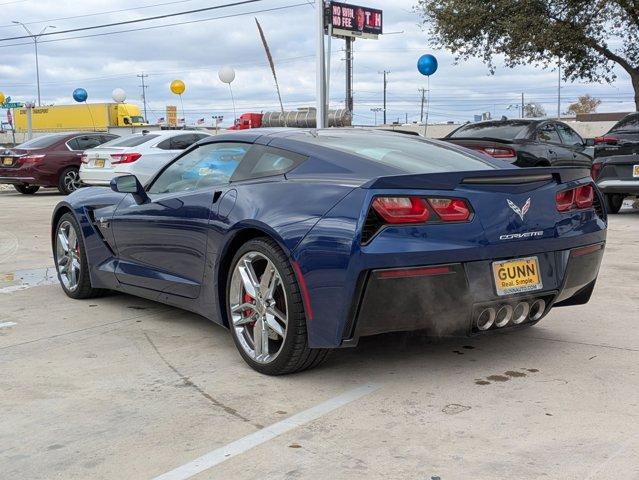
(504, 315)
(485, 319)
(537, 309)
(520, 312)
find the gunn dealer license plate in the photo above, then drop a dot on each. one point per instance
(7, 161)
(635, 171)
(99, 163)
(517, 276)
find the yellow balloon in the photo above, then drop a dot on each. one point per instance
(178, 87)
(1, 97)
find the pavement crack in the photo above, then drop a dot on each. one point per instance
(189, 383)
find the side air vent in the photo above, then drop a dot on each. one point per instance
(598, 206)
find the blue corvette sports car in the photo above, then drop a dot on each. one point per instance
(300, 241)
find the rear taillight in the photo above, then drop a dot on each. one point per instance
(402, 209)
(32, 159)
(595, 170)
(450, 209)
(124, 158)
(609, 139)
(580, 197)
(497, 152)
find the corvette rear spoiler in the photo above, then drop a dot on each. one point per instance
(507, 176)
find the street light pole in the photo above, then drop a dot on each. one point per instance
(35, 44)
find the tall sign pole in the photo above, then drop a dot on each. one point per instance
(320, 65)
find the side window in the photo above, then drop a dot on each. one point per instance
(548, 133)
(206, 166)
(84, 143)
(73, 144)
(568, 135)
(266, 162)
(165, 144)
(107, 138)
(182, 142)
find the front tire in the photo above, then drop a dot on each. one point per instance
(27, 189)
(266, 313)
(69, 180)
(71, 261)
(614, 202)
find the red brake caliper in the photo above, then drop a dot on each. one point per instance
(248, 299)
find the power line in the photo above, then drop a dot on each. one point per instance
(161, 26)
(138, 20)
(35, 22)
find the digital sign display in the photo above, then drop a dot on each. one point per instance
(355, 21)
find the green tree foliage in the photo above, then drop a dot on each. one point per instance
(584, 104)
(589, 36)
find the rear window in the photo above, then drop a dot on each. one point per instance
(630, 123)
(131, 141)
(404, 152)
(42, 142)
(505, 131)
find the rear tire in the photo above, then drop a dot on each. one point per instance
(69, 180)
(249, 323)
(613, 202)
(69, 255)
(27, 189)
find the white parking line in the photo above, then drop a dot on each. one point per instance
(244, 444)
(7, 324)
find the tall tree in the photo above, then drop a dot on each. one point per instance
(584, 104)
(590, 37)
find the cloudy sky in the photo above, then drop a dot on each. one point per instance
(195, 51)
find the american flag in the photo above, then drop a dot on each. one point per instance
(181, 120)
(160, 120)
(200, 121)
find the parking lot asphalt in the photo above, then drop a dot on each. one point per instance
(120, 387)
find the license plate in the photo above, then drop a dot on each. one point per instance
(517, 276)
(7, 161)
(99, 163)
(635, 171)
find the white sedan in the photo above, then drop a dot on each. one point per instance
(139, 154)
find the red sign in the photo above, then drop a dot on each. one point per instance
(356, 19)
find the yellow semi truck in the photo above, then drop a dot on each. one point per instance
(94, 117)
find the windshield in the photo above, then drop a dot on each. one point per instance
(42, 142)
(404, 152)
(130, 141)
(502, 130)
(630, 123)
(137, 119)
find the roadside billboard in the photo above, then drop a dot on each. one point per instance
(355, 21)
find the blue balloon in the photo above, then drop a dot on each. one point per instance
(427, 64)
(80, 95)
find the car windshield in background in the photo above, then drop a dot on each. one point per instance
(411, 154)
(630, 123)
(137, 119)
(503, 130)
(131, 141)
(42, 142)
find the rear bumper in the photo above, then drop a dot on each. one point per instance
(619, 186)
(96, 176)
(448, 301)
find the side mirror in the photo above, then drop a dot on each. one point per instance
(126, 121)
(590, 142)
(130, 184)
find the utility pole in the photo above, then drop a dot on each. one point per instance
(385, 73)
(320, 64)
(421, 116)
(35, 44)
(523, 112)
(559, 91)
(349, 73)
(144, 87)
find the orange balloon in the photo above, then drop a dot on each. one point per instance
(178, 87)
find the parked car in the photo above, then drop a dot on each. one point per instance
(301, 240)
(616, 165)
(139, 154)
(48, 161)
(526, 142)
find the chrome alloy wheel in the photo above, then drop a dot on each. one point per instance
(259, 307)
(68, 256)
(71, 180)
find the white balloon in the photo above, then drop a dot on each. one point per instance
(226, 74)
(118, 95)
